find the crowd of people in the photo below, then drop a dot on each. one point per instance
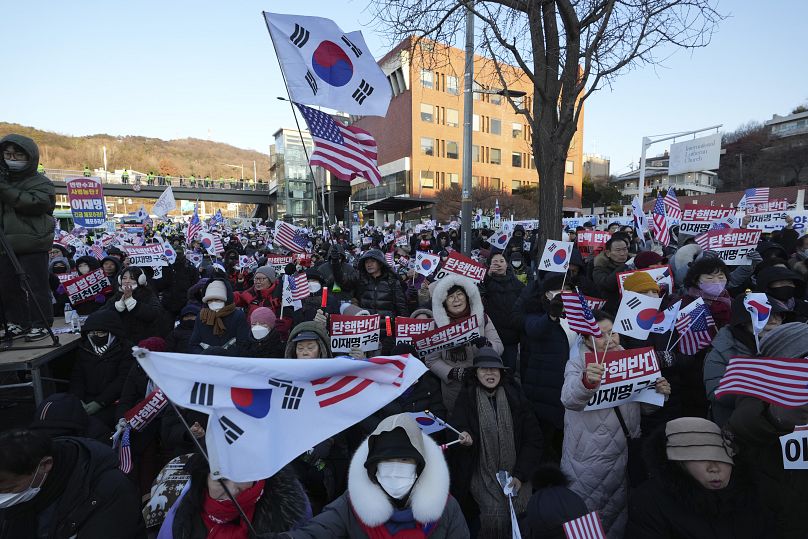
(696, 467)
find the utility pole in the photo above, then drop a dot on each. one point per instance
(468, 111)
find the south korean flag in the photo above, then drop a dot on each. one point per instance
(556, 257)
(637, 315)
(325, 66)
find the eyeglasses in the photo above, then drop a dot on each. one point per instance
(14, 156)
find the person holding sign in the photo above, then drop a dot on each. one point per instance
(595, 450)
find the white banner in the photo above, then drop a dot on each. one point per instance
(448, 337)
(165, 203)
(695, 155)
(769, 222)
(630, 376)
(151, 255)
(349, 331)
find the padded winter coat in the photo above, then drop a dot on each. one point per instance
(380, 295)
(542, 367)
(499, 293)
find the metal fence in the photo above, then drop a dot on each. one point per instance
(158, 180)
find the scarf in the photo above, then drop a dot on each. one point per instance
(214, 318)
(497, 452)
(402, 525)
(457, 355)
(787, 305)
(222, 518)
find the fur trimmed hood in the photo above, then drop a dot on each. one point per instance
(429, 494)
(685, 255)
(440, 292)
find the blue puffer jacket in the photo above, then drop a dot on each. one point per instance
(542, 368)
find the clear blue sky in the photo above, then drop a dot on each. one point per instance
(175, 69)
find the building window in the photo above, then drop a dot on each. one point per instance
(451, 85)
(495, 156)
(569, 167)
(519, 101)
(516, 159)
(427, 80)
(495, 99)
(452, 118)
(568, 192)
(453, 178)
(475, 153)
(516, 130)
(475, 122)
(496, 184)
(427, 146)
(516, 185)
(475, 181)
(475, 90)
(495, 126)
(451, 149)
(427, 179)
(426, 113)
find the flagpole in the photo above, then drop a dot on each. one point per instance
(321, 203)
(757, 339)
(680, 337)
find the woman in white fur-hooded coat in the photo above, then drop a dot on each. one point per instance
(448, 306)
(367, 510)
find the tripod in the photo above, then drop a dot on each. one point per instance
(22, 278)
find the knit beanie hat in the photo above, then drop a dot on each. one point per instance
(640, 282)
(786, 340)
(646, 259)
(215, 290)
(268, 272)
(263, 316)
(153, 344)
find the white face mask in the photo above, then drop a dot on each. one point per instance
(259, 332)
(396, 478)
(10, 499)
(15, 166)
(314, 287)
(517, 263)
(215, 305)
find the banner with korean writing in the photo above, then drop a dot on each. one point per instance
(781, 204)
(697, 219)
(732, 245)
(279, 262)
(460, 333)
(151, 255)
(64, 277)
(408, 329)
(592, 242)
(146, 410)
(662, 275)
(86, 287)
(630, 376)
(795, 449)
(771, 221)
(349, 331)
(86, 198)
(595, 304)
(462, 265)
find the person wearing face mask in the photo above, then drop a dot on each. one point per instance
(313, 304)
(27, 200)
(220, 323)
(180, 336)
(65, 487)
(520, 270)
(263, 292)
(606, 266)
(595, 452)
(398, 488)
(377, 288)
(137, 306)
(786, 291)
(699, 488)
(265, 341)
(179, 277)
(337, 273)
(499, 291)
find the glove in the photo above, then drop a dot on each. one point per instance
(321, 318)
(356, 353)
(755, 257)
(457, 373)
(479, 342)
(92, 408)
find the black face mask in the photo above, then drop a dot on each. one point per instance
(99, 341)
(187, 324)
(782, 293)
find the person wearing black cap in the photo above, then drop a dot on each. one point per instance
(398, 487)
(786, 291)
(551, 505)
(499, 432)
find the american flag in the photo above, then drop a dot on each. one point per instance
(672, 207)
(660, 222)
(98, 250)
(333, 390)
(778, 381)
(347, 151)
(388, 257)
(125, 452)
(290, 237)
(694, 330)
(194, 227)
(579, 315)
(756, 195)
(585, 527)
(299, 286)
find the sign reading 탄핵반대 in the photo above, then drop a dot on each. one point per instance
(349, 331)
(630, 376)
(86, 197)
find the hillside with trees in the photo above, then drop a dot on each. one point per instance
(181, 157)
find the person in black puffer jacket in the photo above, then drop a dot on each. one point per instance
(499, 292)
(377, 288)
(137, 306)
(182, 275)
(337, 272)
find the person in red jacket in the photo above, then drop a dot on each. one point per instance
(261, 293)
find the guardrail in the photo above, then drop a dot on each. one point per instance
(175, 181)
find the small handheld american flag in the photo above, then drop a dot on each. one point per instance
(660, 222)
(585, 527)
(779, 381)
(579, 315)
(299, 286)
(125, 452)
(672, 207)
(694, 330)
(291, 237)
(194, 226)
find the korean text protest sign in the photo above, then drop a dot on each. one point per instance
(349, 331)
(592, 242)
(146, 410)
(630, 376)
(462, 265)
(447, 337)
(697, 219)
(769, 222)
(151, 255)
(795, 449)
(86, 197)
(662, 275)
(780, 204)
(408, 329)
(732, 245)
(86, 287)
(279, 262)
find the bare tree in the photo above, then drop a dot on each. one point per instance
(567, 49)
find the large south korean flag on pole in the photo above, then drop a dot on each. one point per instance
(325, 66)
(265, 413)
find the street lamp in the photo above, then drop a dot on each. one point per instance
(236, 166)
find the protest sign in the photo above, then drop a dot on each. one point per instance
(144, 412)
(462, 265)
(70, 239)
(595, 304)
(780, 204)
(630, 376)
(662, 275)
(349, 331)
(279, 262)
(575, 222)
(86, 287)
(795, 449)
(448, 337)
(151, 255)
(592, 242)
(732, 245)
(769, 222)
(409, 328)
(697, 219)
(86, 198)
